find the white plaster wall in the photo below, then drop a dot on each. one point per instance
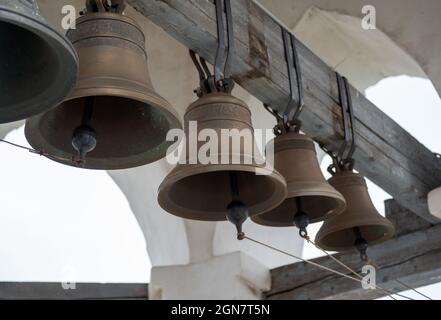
(407, 40)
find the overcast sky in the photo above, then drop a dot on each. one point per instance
(59, 223)
(62, 223)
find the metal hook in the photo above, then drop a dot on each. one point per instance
(280, 127)
(206, 80)
(221, 80)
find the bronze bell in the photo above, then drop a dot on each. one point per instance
(114, 114)
(359, 223)
(38, 66)
(204, 191)
(309, 193)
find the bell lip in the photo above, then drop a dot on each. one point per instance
(389, 228)
(260, 219)
(176, 175)
(69, 62)
(36, 142)
(311, 189)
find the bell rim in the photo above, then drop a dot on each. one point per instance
(260, 219)
(37, 142)
(388, 226)
(177, 175)
(60, 44)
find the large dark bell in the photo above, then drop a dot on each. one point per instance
(38, 66)
(360, 224)
(114, 96)
(310, 197)
(204, 191)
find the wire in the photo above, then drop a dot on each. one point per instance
(42, 153)
(304, 260)
(352, 270)
(358, 279)
(21, 147)
(375, 265)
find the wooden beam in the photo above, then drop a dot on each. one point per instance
(386, 154)
(55, 291)
(414, 258)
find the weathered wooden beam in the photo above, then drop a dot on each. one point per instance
(55, 291)
(414, 258)
(386, 154)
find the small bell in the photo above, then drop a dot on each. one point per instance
(38, 65)
(360, 224)
(310, 197)
(216, 192)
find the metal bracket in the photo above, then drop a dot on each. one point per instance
(344, 161)
(289, 120)
(221, 80)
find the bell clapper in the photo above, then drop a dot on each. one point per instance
(301, 219)
(360, 244)
(237, 211)
(84, 136)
